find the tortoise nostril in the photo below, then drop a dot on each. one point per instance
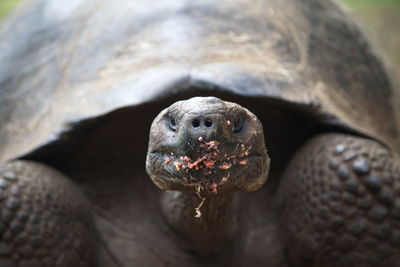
(196, 123)
(208, 123)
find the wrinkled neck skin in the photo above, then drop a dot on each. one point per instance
(215, 224)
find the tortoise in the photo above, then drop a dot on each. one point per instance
(276, 142)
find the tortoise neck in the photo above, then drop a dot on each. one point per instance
(207, 224)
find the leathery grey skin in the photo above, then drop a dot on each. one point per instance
(45, 221)
(207, 149)
(342, 205)
(81, 82)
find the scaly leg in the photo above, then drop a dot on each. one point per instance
(44, 220)
(341, 204)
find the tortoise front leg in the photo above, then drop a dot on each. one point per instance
(44, 220)
(341, 198)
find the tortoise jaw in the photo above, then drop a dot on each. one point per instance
(225, 175)
(211, 171)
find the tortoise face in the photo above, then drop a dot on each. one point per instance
(207, 144)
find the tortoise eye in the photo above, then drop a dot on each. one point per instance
(172, 125)
(238, 125)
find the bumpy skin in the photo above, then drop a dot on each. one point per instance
(44, 220)
(342, 204)
(340, 195)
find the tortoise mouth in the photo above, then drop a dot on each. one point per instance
(210, 171)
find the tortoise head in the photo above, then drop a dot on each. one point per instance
(209, 145)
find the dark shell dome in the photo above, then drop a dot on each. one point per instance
(77, 60)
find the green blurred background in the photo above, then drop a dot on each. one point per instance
(382, 18)
(6, 6)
